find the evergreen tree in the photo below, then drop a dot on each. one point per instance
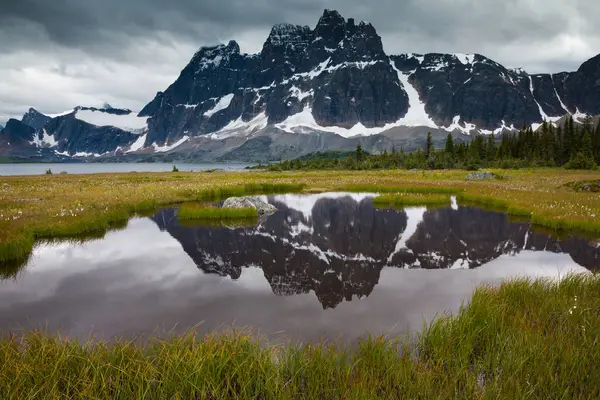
(490, 148)
(449, 148)
(585, 146)
(558, 145)
(596, 143)
(359, 153)
(428, 145)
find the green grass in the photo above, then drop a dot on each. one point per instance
(582, 227)
(492, 204)
(397, 200)
(522, 340)
(199, 212)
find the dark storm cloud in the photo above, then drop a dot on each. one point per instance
(54, 54)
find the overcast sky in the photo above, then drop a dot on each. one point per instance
(58, 54)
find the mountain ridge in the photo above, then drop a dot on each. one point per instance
(334, 81)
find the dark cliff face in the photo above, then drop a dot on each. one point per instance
(339, 75)
(580, 90)
(35, 119)
(338, 250)
(339, 70)
(478, 90)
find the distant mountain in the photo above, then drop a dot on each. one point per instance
(321, 89)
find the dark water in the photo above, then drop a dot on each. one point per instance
(321, 267)
(95, 168)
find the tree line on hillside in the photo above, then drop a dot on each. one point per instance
(572, 146)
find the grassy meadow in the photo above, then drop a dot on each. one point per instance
(65, 206)
(522, 340)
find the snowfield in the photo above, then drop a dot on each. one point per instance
(130, 122)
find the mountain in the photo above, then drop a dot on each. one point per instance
(321, 89)
(35, 119)
(336, 247)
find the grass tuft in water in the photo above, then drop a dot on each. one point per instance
(525, 339)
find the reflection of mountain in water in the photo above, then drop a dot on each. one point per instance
(339, 249)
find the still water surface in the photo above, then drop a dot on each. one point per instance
(95, 168)
(323, 266)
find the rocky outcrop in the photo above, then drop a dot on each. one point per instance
(262, 207)
(481, 176)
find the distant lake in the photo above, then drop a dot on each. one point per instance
(96, 168)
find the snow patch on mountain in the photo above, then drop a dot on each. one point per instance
(71, 111)
(240, 127)
(466, 59)
(304, 122)
(466, 129)
(579, 117)
(558, 97)
(325, 67)
(299, 94)
(222, 104)
(416, 114)
(165, 148)
(128, 122)
(46, 140)
(544, 116)
(499, 130)
(138, 144)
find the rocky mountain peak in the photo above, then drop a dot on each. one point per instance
(282, 34)
(210, 57)
(591, 68)
(35, 119)
(330, 28)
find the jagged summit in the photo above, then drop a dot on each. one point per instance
(35, 119)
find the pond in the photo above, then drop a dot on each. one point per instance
(323, 266)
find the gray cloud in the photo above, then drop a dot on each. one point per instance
(54, 55)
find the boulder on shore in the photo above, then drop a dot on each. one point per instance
(262, 207)
(480, 176)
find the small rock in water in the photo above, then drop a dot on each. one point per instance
(480, 176)
(262, 207)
